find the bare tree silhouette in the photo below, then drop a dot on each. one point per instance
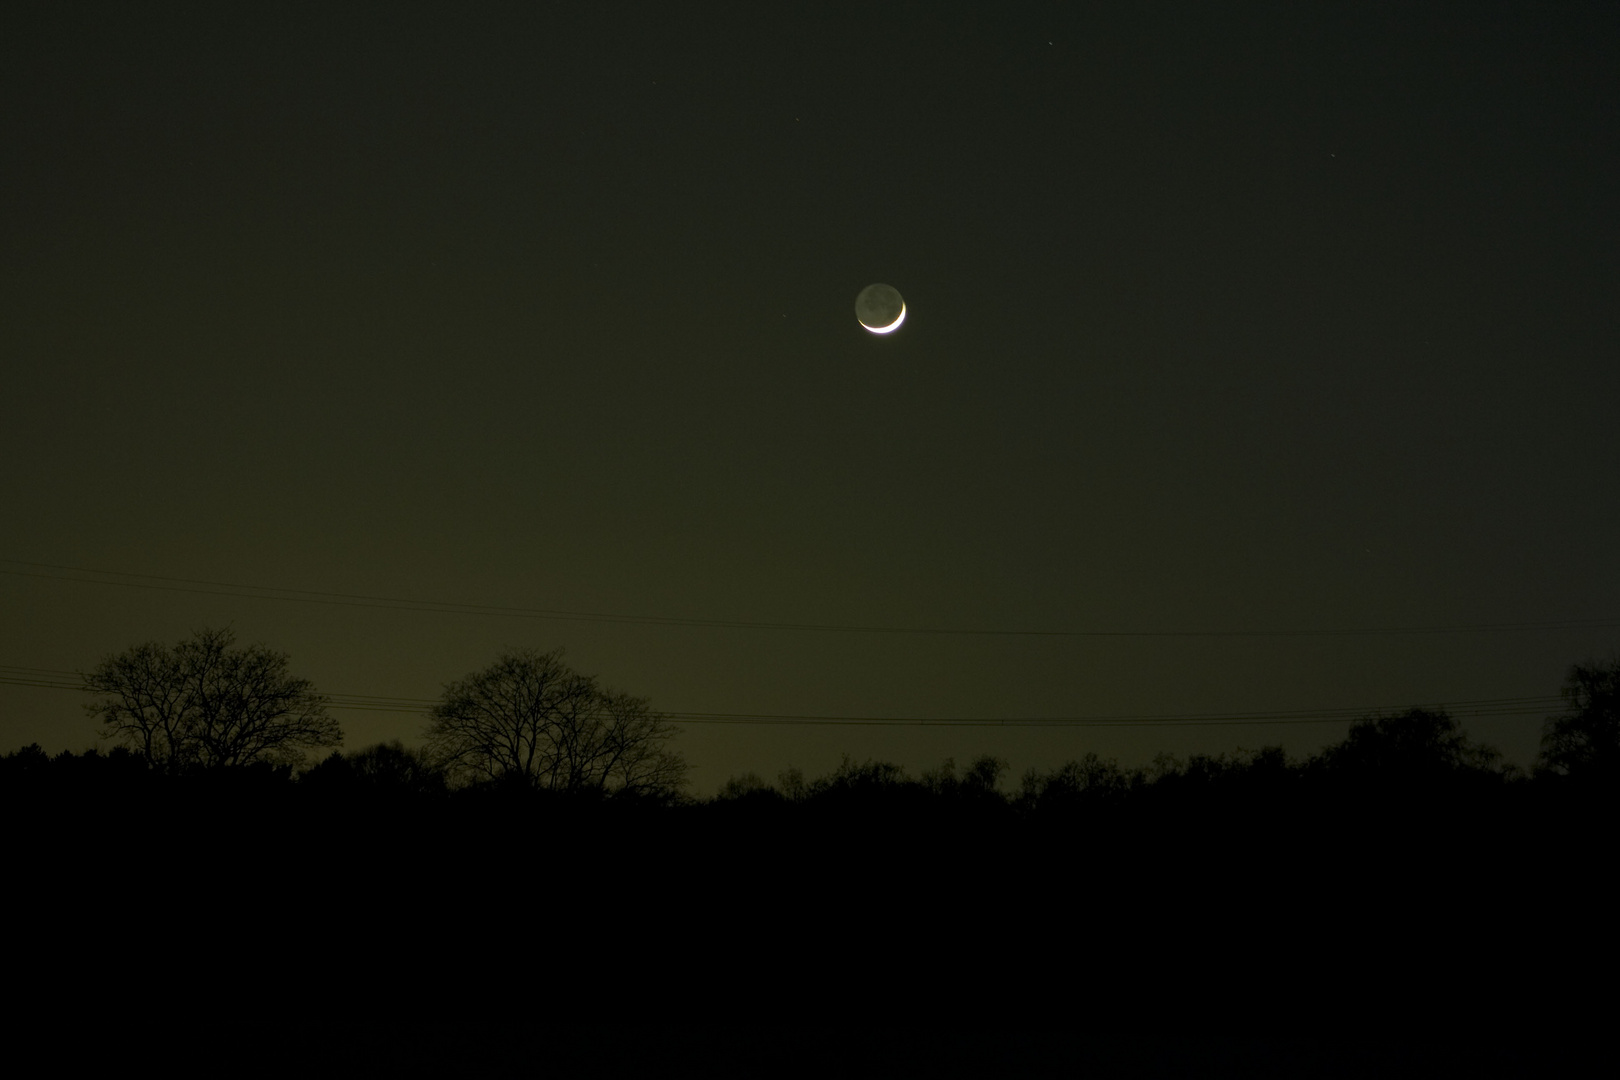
(531, 720)
(203, 705)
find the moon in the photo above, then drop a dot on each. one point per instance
(880, 309)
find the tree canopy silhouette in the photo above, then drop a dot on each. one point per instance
(1091, 781)
(531, 720)
(1585, 742)
(384, 769)
(203, 705)
(1416, 747)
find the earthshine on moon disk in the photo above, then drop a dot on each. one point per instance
(880, 309)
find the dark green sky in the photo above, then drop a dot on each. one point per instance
(1221, 318)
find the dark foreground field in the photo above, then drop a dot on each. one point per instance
(1313, 931)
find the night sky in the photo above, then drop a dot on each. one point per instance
(1259, 362)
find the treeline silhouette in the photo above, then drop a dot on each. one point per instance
(1406, 794)
(1393, 764)
(1400, 885)
(530, 730)
(1391, 777)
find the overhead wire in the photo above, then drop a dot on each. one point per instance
(1538, 706)
(66, 680)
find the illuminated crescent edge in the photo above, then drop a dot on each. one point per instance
(892, 327)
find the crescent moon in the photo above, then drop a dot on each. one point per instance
(892, 327)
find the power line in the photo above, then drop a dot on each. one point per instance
(1539, 707)
(450, 607)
